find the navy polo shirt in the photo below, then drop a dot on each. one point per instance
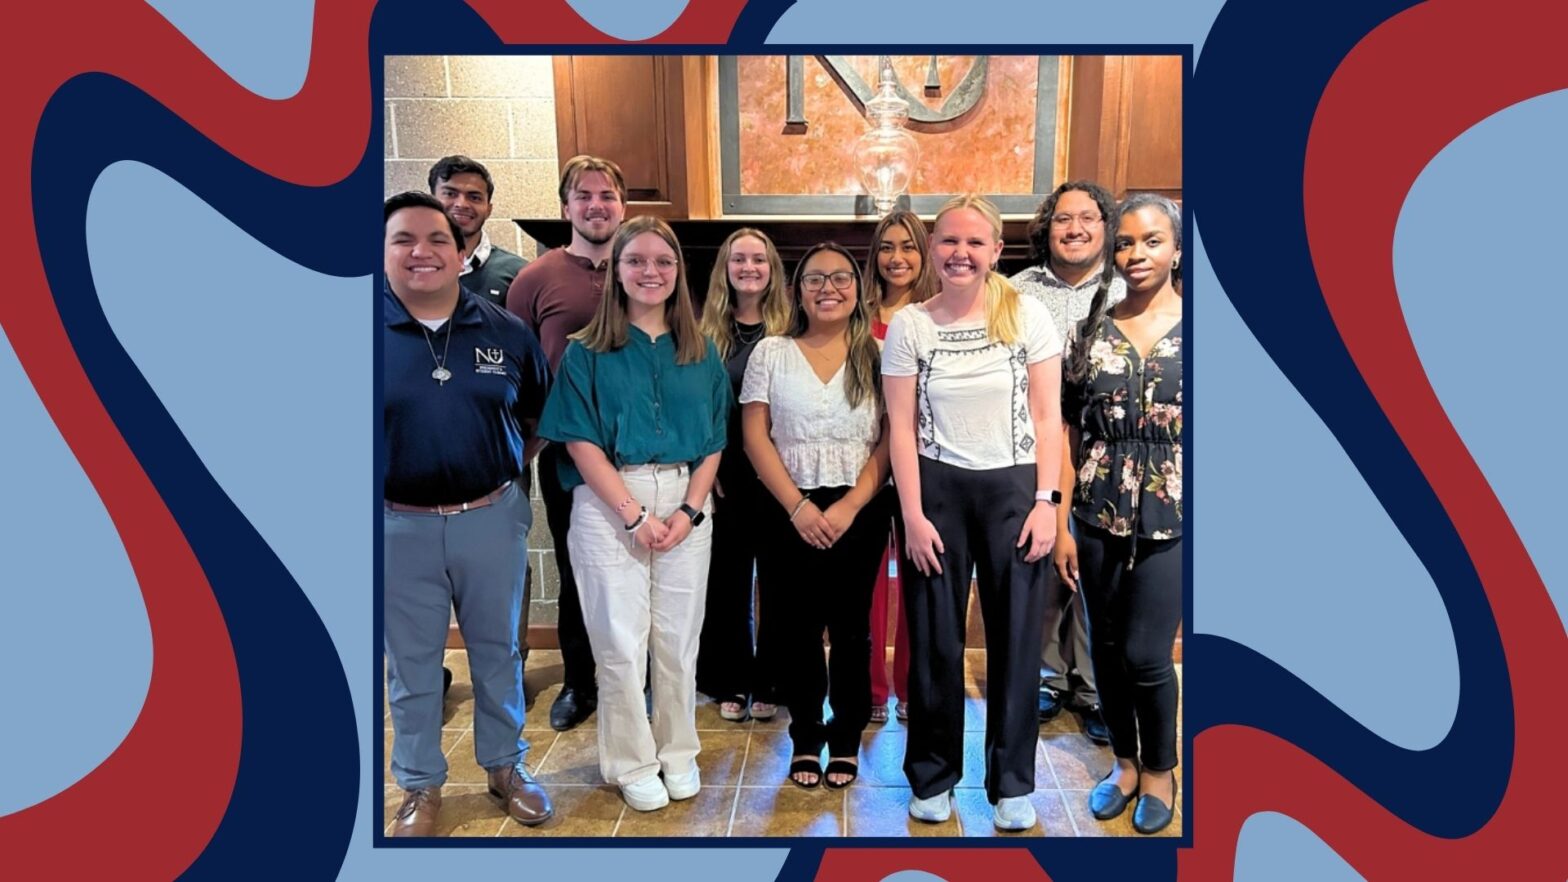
(453, 442)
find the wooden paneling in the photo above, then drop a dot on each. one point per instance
(1152, 122)
(1124, 127)
(1087, 96)
(629, 108)
(700, 75)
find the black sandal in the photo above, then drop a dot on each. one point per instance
(805, 765)
(841, 767)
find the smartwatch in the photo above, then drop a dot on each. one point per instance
(1052, 496)
(695, 515)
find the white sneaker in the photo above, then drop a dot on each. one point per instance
(683, 786)
(646, 795)
(935, 809)
(1013, 813)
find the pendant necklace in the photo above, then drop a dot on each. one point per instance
(441, 374)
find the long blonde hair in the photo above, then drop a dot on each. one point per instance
(1001, 298)
(719, 307)
(861, 380)
(606, 331)
(924, 285)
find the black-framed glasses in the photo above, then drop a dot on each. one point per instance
(1086, 218)
(814, 281)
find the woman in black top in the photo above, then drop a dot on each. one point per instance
(746, 301)
(1123, 406)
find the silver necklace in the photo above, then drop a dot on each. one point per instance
(441, 374)
(755, 335)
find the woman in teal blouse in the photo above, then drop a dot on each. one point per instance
(641, 401)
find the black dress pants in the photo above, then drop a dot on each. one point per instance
(978, 514)
(826, 589)
(1133, 618)
(576, 654)
(727, 667)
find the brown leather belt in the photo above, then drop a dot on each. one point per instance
(457, 508)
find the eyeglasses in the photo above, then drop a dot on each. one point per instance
(665, 265)
(1087, 218)
(815, 281)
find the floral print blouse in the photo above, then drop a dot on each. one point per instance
(1128, 412)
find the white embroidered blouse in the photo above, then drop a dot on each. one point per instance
(971, 392)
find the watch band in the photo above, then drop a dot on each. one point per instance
(696, 515)
(1052, 496)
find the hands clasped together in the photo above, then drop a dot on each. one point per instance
(661, 535)
(820, 529)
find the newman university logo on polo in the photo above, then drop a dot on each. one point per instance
(490, 360)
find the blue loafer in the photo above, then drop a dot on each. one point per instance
(1152, 815)
(1107, 801)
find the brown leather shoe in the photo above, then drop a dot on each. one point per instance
(417, 815)
(521, 795)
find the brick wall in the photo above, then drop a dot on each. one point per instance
(500, 111)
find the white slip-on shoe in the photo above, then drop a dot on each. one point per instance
(683, 786)
(646, 795)
(935, 809)
(1013, 813)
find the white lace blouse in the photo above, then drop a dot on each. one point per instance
(822, 440)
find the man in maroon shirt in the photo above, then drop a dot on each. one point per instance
(556, 295)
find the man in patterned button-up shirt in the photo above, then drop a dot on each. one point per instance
(1067, 237)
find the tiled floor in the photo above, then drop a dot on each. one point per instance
(744, 786)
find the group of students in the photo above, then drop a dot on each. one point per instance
(912, 406)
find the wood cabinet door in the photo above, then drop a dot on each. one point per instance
(630, 109)
(1125, 126)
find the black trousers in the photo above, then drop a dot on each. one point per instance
(726, 664)
(1133, 618)
(827, 589)
(978, 514)
(576, 654)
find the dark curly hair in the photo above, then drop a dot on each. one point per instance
(1040, 224)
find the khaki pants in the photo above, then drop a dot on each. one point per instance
(639, 604)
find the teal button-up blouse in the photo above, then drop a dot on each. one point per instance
(637, 405)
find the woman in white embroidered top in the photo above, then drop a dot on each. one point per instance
(812, 418)
(972, 379)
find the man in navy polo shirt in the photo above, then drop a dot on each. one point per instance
(463, 382)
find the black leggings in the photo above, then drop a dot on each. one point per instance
(978, 514)
(827, 588)
(1133, 618)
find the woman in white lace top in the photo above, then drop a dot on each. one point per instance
(812, 419)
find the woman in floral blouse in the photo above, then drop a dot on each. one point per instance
(1122, 402)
